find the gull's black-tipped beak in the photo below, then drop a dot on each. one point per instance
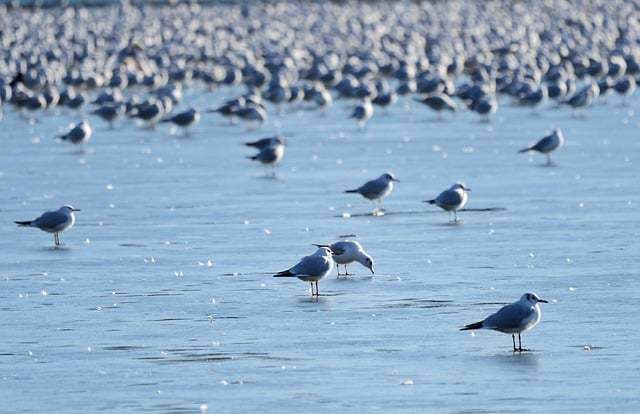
(543, 301)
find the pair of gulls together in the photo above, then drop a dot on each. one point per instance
(317, 266)
(450, 200)
(511, 319)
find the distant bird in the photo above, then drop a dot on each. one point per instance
(311, 268)
(110, 111)
(452, 199)
(386, 99)
(513, 319)
(485, 106)
(53, 221)
(251, 113)
(349, 251)
(79, 134)
(271, 151)
(376, 190)
(362, 112)
(534, 98)
(583, 98)
(266, 142)
(185, 119)
(439, 102)
(149, 111)
(625, 86)
(547, 144)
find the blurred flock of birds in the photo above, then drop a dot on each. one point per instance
(127, 65)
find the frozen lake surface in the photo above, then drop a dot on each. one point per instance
(161, 298)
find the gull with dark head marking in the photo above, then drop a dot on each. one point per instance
(513, 319)
(547, 144)
(53, 221)
(349, 251)
(376, 190)
(452, 199)
(311, 268)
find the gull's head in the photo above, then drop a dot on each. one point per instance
(68, 209)
(390, 177)
(324, 251)
(532, 298)
(460, 186)
(368, 263)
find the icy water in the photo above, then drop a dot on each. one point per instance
(162, 299)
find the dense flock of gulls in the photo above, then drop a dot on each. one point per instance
(130, 62)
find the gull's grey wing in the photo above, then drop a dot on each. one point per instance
(509, 317)
(50, 220)
(449, 198)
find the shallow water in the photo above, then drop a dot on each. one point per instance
(162, 299)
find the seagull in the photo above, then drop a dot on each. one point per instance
(362, 112)
(311, 268)
(185, 119)
(376, 190)
(452, 199)
(271, 150)
(513, 319)
(53, 221)
(349, 251)
(547, 144)
(79, 133)
(438, 102)
(266, 142)
(110, 111)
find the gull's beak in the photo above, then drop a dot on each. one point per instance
(372, 272)
(76, 209)
(543, 301)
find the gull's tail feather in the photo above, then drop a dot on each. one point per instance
(23, 223)
(351, 191)
(430, 201)
(525, 150)
(476, 325)
(284, 273)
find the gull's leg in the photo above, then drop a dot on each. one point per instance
(56, 239)
(519, 342)
(513, 337)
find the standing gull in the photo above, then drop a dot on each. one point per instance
(362, 112)
(513, 319)
(271, 151)
(53, 221)
(349, 251)
(547, 144)
(311, 268)
(452, 199)
(185, 119)
(79, 134)
(376, 190)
